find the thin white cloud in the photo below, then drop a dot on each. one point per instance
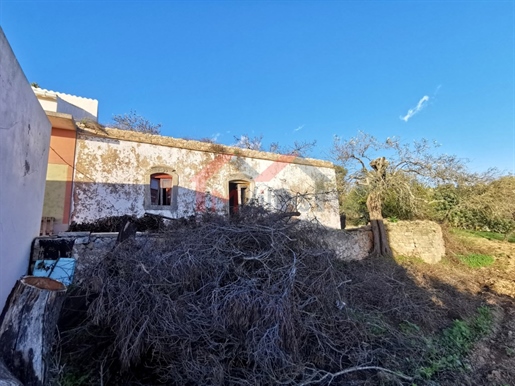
(215, 137)
(437, 89)
(420, 105)
(299, 128)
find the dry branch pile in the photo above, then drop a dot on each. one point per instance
(248, 301)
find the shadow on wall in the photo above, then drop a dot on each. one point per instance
(58, 201)
(92, 201)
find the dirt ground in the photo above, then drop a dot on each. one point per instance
(433, 296)
(493, 359)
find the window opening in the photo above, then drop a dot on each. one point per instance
(239, 195)
(161, 189)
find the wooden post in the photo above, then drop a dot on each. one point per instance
(28, 326)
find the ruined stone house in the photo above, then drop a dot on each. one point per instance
(95, 172)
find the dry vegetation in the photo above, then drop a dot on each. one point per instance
(258, 300)
(254, 300)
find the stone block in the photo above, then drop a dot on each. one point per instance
(422, 239)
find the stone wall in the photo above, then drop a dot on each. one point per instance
(422, 239)
(87, 246)
(79, 245)
(354, 244)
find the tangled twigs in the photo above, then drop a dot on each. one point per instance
(254, 300)
(331, 376)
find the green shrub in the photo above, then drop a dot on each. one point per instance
(479, 221)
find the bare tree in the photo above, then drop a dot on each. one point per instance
(393, 166)
(251, 143)
(298, 149)
(134, 122)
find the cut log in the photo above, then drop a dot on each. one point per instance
(27, 329)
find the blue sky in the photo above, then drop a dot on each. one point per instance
(289, 70)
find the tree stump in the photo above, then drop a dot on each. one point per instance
(6, 378)
(381, 244)
(28, 326)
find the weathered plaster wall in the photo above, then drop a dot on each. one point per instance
(55, 192)
(24, 140)
(58, 189)
(48, 104)
(422, 239)
(78, 107)
(112, 174)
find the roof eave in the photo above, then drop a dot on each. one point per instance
(61, 120)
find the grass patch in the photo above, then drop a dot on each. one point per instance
(401, 259)
(485, 235)
(476, 260)
(448, 352)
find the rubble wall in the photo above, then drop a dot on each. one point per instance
(421, 239)
(348, 245)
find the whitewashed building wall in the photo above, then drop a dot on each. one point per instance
(113, 167)
(24, 140)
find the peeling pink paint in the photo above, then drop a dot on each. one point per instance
(205, 174)
(214, 167)
(274, 169)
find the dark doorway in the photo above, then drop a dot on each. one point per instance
(239, 194)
